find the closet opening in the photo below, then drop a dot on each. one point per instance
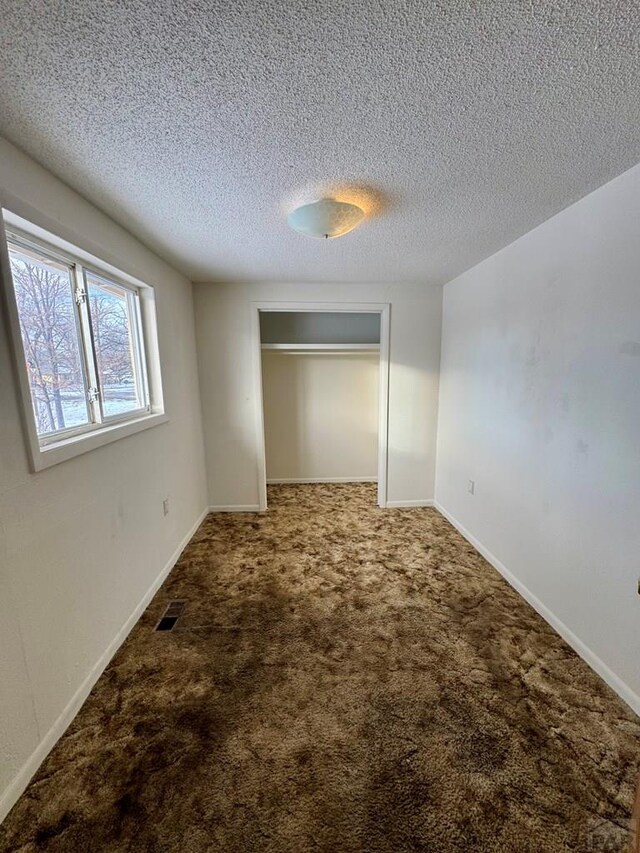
(321, 377)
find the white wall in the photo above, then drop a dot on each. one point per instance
(320, 415)
(319, 327)
(83, 541)
(223, 331)
(540, 405)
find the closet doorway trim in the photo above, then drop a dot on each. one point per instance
(381, 308)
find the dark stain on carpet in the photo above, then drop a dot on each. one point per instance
(344, 679)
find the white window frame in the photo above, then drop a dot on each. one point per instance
(55, 447)
(138, 344)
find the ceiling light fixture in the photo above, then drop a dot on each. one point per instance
(326, 218)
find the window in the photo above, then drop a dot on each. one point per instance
(84, 351)
(44, 291)
(114, 316)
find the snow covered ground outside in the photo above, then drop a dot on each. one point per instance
(117, 400)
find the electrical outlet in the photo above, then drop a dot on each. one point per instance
(471, 488)
(165, 506)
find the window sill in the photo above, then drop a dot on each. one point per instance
(60, 451)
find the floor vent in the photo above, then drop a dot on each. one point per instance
(170, 616)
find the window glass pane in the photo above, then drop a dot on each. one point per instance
(113, 322)
(46, 306)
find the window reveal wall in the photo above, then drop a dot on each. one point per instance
(320, 415)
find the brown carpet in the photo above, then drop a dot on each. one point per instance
(344, 679)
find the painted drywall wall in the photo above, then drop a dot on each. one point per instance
(319, 327)
(320, 415)
(223, 331)
(540, 406)
(83, 541)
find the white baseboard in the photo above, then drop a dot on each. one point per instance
(400, 504)
(597, 665)
(15, 788)
(234, 508)
(282, 480)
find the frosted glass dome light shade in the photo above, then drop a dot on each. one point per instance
(325, 218)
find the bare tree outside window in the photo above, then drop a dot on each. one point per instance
(82, 340)
(109, 308)
(45, 300)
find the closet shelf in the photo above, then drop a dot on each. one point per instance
(319, 348)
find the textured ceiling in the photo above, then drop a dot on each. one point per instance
(198, 124)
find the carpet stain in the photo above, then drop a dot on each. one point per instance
(344, 679)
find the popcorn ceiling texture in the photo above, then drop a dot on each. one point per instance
(198, 125)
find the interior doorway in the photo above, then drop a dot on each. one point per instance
(319, 369)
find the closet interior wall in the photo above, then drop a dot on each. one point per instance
(320, 377)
